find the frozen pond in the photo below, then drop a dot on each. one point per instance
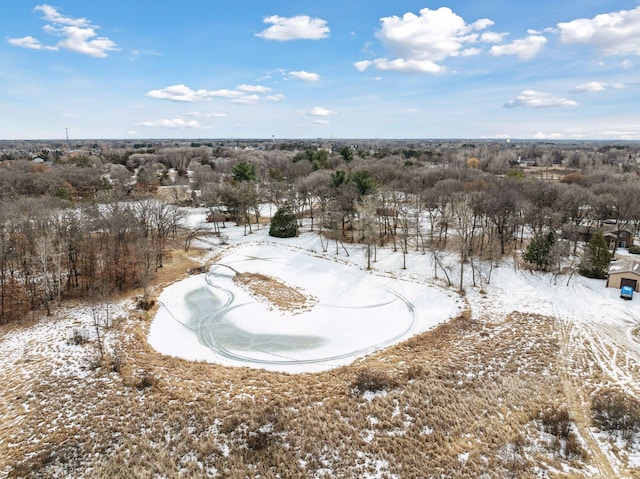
(210, 317)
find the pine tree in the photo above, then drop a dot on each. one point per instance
(539, 250)
(284, 223)
(597, 257)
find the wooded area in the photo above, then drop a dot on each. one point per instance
(96, 220)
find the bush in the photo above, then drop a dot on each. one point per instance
(284, 223)
(373, 380)
(116, 361)
(613, 410)
(556, 421)
(144, 380)
(259, 440)
(78, 337)
(635, 249)
(145, 304)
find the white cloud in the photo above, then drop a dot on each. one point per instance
(300, 27)
(536, 99)
(77, 34)
(137, 53)
(492, 37)
(320, 111)
(253, 88)
(180, 93)
(306, 76)
(320, 122)
(225, 93)
(548, 136)
(468, 52)
(246, 100)
(616, 33)
(29, 42)
(621, 134)
(400, 64)
(524, 48)
(174, 123)
(595, 86)
(51, 14)
(197, 114)
(420, 42)
(240, 95)
(590, 87)
(82, 40)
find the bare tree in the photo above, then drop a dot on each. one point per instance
(367, 219)
(463, 214)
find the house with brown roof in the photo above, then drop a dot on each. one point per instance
(624, 273)
(623, 239)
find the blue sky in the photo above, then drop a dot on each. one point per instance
(311, 68)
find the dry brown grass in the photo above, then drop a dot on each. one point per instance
(275, 292)
(461, 400)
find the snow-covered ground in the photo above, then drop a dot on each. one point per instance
(208, 317)
(354, 312)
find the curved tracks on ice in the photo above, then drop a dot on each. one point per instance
(205, 330)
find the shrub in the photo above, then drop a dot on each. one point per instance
(78, 337)
(258, 429)
(116, 360)
(257, 441)
(373, 380)
(415, 371)
(284, 223)
(635, 249)
(145, 304)
(556, 421)
(614, 410)
(144, 379)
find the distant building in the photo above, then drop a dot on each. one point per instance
(624, 239)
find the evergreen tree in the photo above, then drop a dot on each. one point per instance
(364, 182)
(347, 153)
(597, 257)
(244, 171)
(539, 250)
(284, 223)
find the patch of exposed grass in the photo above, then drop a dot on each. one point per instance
(275, 292)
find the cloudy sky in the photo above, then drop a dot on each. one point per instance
(309, 68)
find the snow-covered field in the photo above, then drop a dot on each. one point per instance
(208, 317)
(358, 311)
(353, 313)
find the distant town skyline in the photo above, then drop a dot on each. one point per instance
(306, 69)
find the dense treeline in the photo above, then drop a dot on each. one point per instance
(90, 223)
(49, 253)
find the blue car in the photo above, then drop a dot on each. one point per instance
(626, 292)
